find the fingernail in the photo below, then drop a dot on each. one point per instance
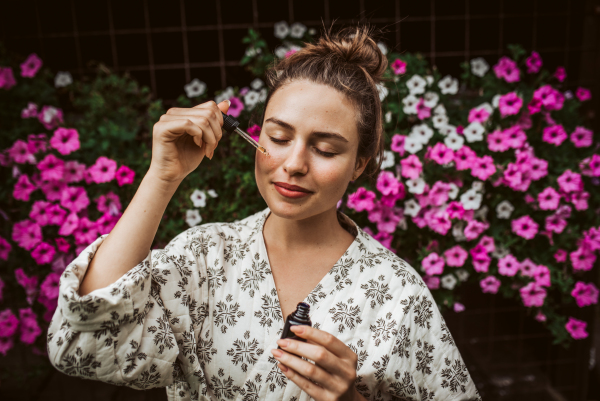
(282, 343)
(276, 352)
(228, 102)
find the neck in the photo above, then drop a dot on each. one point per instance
(319, 231)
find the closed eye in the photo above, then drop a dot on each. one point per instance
(325, 154)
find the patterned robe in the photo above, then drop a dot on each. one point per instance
(201, 316)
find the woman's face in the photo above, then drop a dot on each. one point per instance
(311, 136)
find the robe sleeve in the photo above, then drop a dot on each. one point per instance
(124, 333)
(425, 363)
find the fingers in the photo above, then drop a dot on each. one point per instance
(329, 341)
(314, 391)
(316, 353)
(306, 369)
(205, 127)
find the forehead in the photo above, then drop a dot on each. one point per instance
(314, 107)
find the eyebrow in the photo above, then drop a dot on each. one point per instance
(320, 134)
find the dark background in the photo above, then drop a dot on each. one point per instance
(166, 44)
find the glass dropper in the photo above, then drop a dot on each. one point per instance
(230, 124)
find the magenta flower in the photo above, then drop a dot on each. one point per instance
(19, 152)
(106, 223)
(474, 228)
(538, 168)
(515, 136)
(548, 199)
(483, 167)
(43, 253)
(39, 212)
(103, 170)
(423, 111)
(290, 52)
(438, 221)
(479, 115)
(456, 256)
(385, 239)
(5, 248)
(464, 157)
(30, 284)
(438, 194)
(533, 63)
(433, 264)
(560, 255)
(52, 168)
(109, 203)
(50, 117)
(31, 111)
(509, 104)
(490, 284)
(581, 137)
(388, 220)
(590, 166)
(481, 263)
(74, 199)
(585, 294)
(487, 243)
(497, 142)
(23, 188)
(583, 94)
(361, 200)
(540, 317)
(56, 215)
(582, 258)
(62, 245)
(570, 181)
(554, 134)
(528, 268)
(533, 295)
(8, 323)
(69, 225)
(7, 78)
(399, 66)
(27, 234)
(576, 328)
(31, 66)
(432, 282)
(236, 107)
(398, 144)
(507, 69)
(29, 327)
(525, 227)
(508, 265)
(560, 74)
(455, 210)
(37, 143)
(254, 131)
(411, 167)
(458, 307)
(441, 154)
(65, 140)
(548, 97)
(555, 223)
(124, 175)
(579, 199)
(387, 184)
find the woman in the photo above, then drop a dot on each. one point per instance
(204, 316)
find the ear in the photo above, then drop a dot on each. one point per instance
(361, 164)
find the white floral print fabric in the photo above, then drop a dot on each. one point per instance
(201, 316)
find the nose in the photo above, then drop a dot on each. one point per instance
(296, 159)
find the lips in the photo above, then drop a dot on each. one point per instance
(291, 187)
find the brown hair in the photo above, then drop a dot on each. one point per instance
(351, 62)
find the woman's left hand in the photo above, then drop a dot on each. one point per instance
(334, 372)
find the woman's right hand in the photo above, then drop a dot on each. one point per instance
(183, 136)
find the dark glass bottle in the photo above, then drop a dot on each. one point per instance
(297, 318)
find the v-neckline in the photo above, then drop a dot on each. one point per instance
(324, 283)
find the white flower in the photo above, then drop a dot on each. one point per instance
(504, 209)
(448, 281)
(388, 117)
(280, 51)
(474, 132)
(383, 91)
(402, 224)
(479, 66)
(416, 186)
(496, 100)
(568, 95)
(195, 88)
(49, 113)
(192, 217)
(481, 213)
(410, 104)
(312, 31)
(251, 98)
(411, 207)
(422, 132)
(477, 186)
(448, 129)
(416, 84)
(412, 144)
(250, 52)
(454, 141)
(382, 47)
(471, 200)
(62, 78)
(448, 85)
(262, 96)
(198, 198)
(430, 99)
(462, 274)
(500, 252)
(281, 29)
(439, 120)
(212, 193)
(458, 231)
(429, 79)
(440, 109)
(256, 84)
(453, 191)
(388, 159)
(225, 95)
(297, 30)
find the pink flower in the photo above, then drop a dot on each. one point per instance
(290, 52)
(441, 154)
(525, 227)
(590, 166)
(585, 294)
(560, 74)
(538, 168)
(86, 232)
(483, 167)
(474, 228)
(411, 167)
(385, 239)
(576, 328)
(387, 183)
(8, 323)
(548, 97)
(29, 327)
(528, 268)
(438, 221)
(23, 188)
(438, 194)
(74, 199)
(361, 200)
(31, 111)
(27, 234)
(560, 255)
(236, 107)
(432, 282)
(464, 157)
(540, 317)
(109, 203)
(106, 223)
(555, 223)
(433, 264)
(487, 243)
(423, 111)
(399, 66)
(50, 117)
(56, 215)
(548, 199)
(7, 78)
(254, 132)
(20, 153)
(458, 307)
(582, 258)
(49, 287)
(30, 284)
(583, 94)
(533, 63)
(124, 175)
(398, 144)
(570, 181)
(582, 137)
(479, 115)
(508, 265)
(580, 200)
(533, 295)
(554, 134)
(455, 210)
(5, 248)
(65, 140)
(387, 220)
(507, 69)
(481, 263)
(490, 284)
(52, 168)
(510, 104)
(515, 136)
(497, 142)
(62, 245)
(31, 66)
(456, 256)
(104, 169)
(43, 253)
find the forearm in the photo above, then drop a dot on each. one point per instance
(129, 241)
